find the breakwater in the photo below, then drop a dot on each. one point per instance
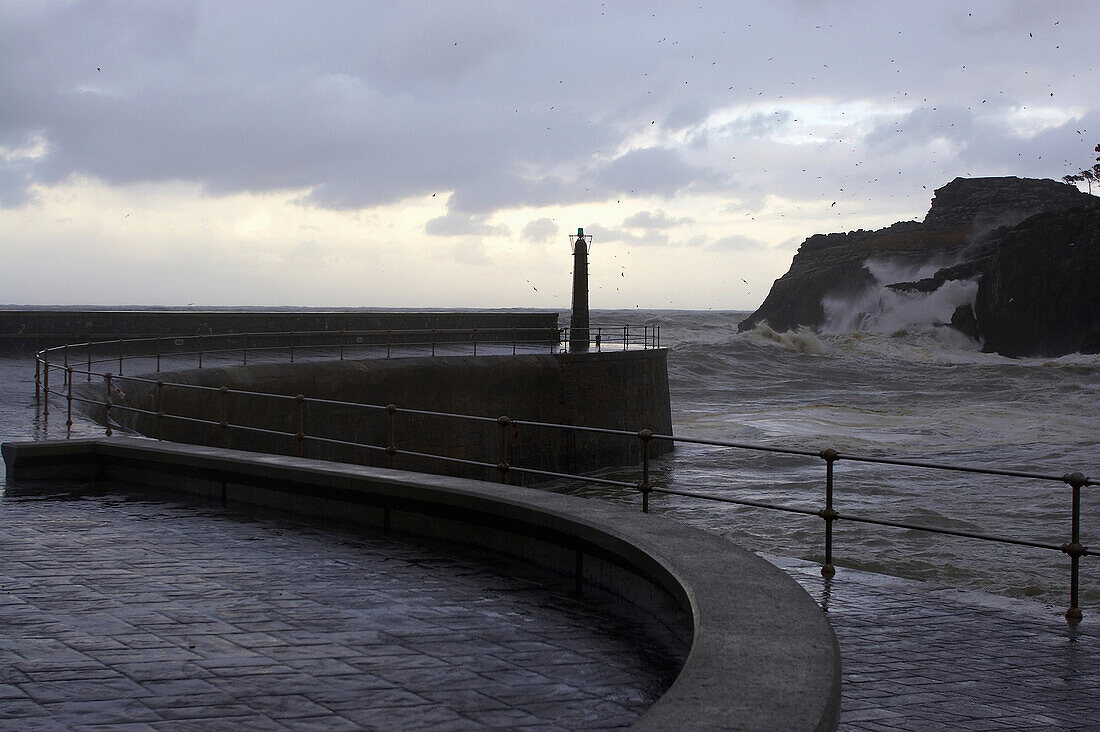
(625, 390)
(29, 330)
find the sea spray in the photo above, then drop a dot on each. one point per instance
(881, 309)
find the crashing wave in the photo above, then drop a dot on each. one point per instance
(802, 340)
(881, 309)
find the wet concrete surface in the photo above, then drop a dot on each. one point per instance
(126, 613)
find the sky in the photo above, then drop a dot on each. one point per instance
(439, 154)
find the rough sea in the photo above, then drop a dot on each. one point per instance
(912, 391)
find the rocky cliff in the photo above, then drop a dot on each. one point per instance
(1031, 245)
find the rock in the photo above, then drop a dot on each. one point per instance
(965, 229)
(965, 271)
(989, 203)
(964, 321)
(834, 266)
(1040, 295)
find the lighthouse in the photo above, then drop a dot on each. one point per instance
(578, 318)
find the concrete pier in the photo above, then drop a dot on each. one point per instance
(29, 330)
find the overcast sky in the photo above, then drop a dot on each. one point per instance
(438, 154)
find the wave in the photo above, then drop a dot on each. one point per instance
(881, 309)
(802, 340)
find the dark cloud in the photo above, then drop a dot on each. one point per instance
(653, 171)
(505, 106)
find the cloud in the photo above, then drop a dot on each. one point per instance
(654, 220)
(605, 235)
(457, 224)
(342, 110)
(655, 171)
(736, 243)
(540, 230)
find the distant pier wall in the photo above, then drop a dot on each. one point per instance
(30, 330)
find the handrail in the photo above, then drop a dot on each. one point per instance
(622, 337)
(1074, 549)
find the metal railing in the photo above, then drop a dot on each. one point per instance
(296, 408)
(342, 344)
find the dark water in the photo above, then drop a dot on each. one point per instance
(922, 394)
(917, 393)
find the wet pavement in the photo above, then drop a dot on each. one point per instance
(919, 658)
(124, 613)
(121, 612)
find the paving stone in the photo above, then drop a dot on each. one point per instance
(944, 659)
(192, 618)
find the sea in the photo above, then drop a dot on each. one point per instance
(910, 390)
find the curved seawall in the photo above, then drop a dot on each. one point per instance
(761, 654)
(625, 390)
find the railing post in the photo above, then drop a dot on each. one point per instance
(244, 349)
(120, 357)
(475, 341)
(160, 410)
(68, 371)
(644, 487)
(513, 341)
(46, 385)
(89, 364)
(503, 466)
(107, 403)
(38, 379)
(292, 346)
(830, 456)
(388, 337)
(626, 337)
(225, 416)
(341, 345)
(301, 436)
(158, 356)
(200, 351)
(69, 398)
(599, 338)
(1074, 548)
(391, 447)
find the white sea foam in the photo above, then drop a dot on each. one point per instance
(802, 340)
(879, 309)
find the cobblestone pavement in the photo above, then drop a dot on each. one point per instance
(917, 658)
(123, 613)
(129, 614)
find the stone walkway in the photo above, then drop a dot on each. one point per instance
(122, 613)
(916, 658)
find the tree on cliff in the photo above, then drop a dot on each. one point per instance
(1088, 174)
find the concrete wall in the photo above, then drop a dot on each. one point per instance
(625, 390)
(35, 329)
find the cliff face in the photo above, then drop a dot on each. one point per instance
(994, 230)
(1040, 293)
